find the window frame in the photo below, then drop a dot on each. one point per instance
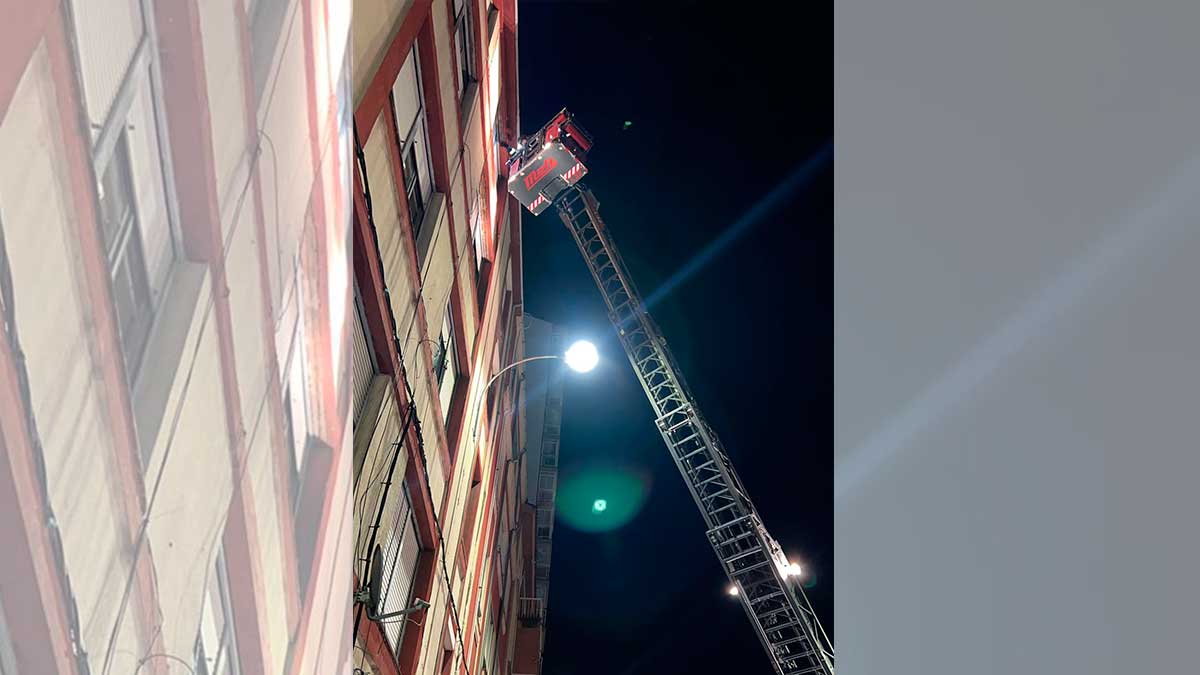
(266, 19)
(447, 360)
(125, 256)
(407, 517)
(110, 142)
(227, 641)
(464, 48)
(363, 329)
(406, 141)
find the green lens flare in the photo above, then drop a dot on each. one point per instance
(581, 506)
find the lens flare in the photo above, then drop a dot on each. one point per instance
(600, 497)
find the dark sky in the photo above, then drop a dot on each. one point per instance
(727, 103)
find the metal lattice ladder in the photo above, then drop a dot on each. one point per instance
(776, 604)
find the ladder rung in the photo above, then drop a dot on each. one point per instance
(677, 425)
(685, 440)
(724, 508)
(738, 538)
(764, 598)
(791, 641)
(732, 523)
(773, 613)
(753, 567)
(694, 453)
(743, 554)
(719, 493)
(782, 626)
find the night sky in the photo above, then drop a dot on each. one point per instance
(727, 106)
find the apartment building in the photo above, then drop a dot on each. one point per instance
(439, 480)
(543, 390)
(176, 287)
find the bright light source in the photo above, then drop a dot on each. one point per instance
(788, 569)
(733, 590)
(582, 356)
(599, 505)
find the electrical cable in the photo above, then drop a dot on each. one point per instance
(403, 375)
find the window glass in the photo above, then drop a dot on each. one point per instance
(413, 135)
(462, 46)
(216, 651)
(446, 365)
(126, 259)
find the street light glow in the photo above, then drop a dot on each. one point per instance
(599, 505)
(582, 356)
(733, 590)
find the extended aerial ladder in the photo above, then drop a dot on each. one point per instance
(546, 169)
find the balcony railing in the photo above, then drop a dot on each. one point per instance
(531, 612)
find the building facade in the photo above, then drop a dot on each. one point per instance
(440, 505)
(176, 286)
(543, 389)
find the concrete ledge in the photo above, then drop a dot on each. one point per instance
(173, 336)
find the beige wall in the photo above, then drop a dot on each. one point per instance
(373, 25)
(435, 274)
(51, 302)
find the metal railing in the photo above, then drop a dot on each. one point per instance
(530, 611)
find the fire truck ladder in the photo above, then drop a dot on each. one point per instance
(784, 620)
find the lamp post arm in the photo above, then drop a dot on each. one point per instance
(510, 366)
(483, 392)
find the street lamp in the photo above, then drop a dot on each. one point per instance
(581, 357)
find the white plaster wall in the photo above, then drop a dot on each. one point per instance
(223, 72)
(286, 165)
(55, 328)
(187, 515)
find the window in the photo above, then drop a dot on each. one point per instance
(477, 235)
(412, 133)
(483, 266)
(463, 47)
(118, 70)
(297, 410)
(445, 364)
(126, 257)
(266, 27)
(467, 535)
(363, 356)
(399, 567)
(215, 650)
